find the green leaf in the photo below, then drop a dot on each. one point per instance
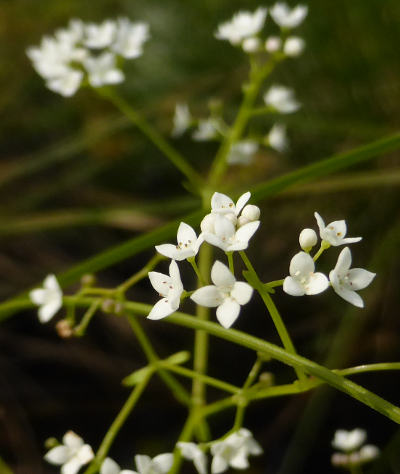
(178, 358)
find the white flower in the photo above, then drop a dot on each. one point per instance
(207, 129)
(251, 45)
(193, 453)
(73, 33)
(243, 25)
(302, 279)
(349, 440)
(100, 35)
(241, 153)
(368, 453)
(346, 281)
(182, 120)
(188, 244)
(334, 232)
(223, 204)
(285, 17)
(227, 294)
(102, 70)
(294, 46)
(273, 44)
(109, 466)
(67, 84)
(49, 298)
(307, 239)
(161, 464)
(72, 454)
(170, 288)
(282, 99)
(130, 38)
(234, 451)
(277, 138)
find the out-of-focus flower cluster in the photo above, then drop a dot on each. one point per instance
(87, 53)
(351, 449)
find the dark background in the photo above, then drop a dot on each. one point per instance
(76, 178)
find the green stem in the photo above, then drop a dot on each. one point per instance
(257, 77)
(186, 435)
(324, 245)
(230, 262)
(253, 279)
(168, 150)
(192, 261)
(117, 425)
(274, 283)
(121, 289)
(177, 389)
(4, 469)
(82, 326)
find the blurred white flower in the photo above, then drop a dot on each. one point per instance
(102, 70)
(334, 233)
(188, 244)
(251, 45)
(71, 455)
(294, 46)
(49, 298)
(170, 288)
(182, 120)
(98, 36)
(67, 84)
(160, 464)
(307, 239)
(346, 281)
(243, 25)
(303, 280)
(207, 129)
(73, 33)
(129, 38)
(192, 452)
(241, 153)
(109, 466)
(227, 294)
(282, 99)
(277, 138)
(273, 44)
(287, 17)
(353, 453)
(234, 451)
(349, 440)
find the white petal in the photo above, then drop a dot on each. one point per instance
(48, 310)
(58, 455)
(161, 309)
(239, 460)
(72, 440)
(317, 283)
(51, 283)
(360, 278)
(186, 233)
(343, 261)
(85, 454)
(142, 463)
(301, 264)
(349, 295)
(246, 232)
(38, 296)
(174, 274)
(221, 276)
(170, 251)
(160, 282)
(292, 287)
(228, 312)
(320, 222)
(163, 462)
(224, 228)
(188, 450)
(241, 202)
(339, 227)
(212, 239)
(221, 203)
(351, 240)
(242, 292)
(208, 296)
(218, 465)
(71, 467)
(109, 467)
(200, 463)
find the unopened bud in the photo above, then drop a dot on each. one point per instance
(88, 280)
(294, 46)
(251, 45)
(242, 221)
(119, 308)
(64, 328)
(251, 212)
(339, 459)
(108, 306)
(273, 44)
(307, 239)
(51, 443)
(267, 379)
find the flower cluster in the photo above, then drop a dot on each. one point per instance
(228, 226)
(87, 53)
(345, 281)
(352, 450)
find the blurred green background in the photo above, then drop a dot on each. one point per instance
(76, 178)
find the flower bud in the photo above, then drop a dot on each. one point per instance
(294, 46)
(108, 306)
(64, 328)
(88, 280)
(251, 212)
(273, 44)
(307, 239)
(251, 45)
(242, 220)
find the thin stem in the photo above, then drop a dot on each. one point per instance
(158, 140)
(262, 110)
(274, 283)
(192, 261)
(253, 279)
(230, 262)
(324, 245)
(87, 317)
(186, 435)
(121, 289)
(117, 425)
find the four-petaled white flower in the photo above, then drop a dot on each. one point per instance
(49, 298)
(101, 35)
(102, 70)
(282, 99)
(277, 138)
(287, 17)
(243, 25)
(160, 464)
(223, 204)
(192, 452)
(349, 440)
(109, 466)
(71, 455)
(233, 451)
(170, 288)
(303, 280)
(334, 233)
(188, 244)
(227, 294)
(241, 153)
(182, 120)
(130, 38)
(207, 129)
(346, 281)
